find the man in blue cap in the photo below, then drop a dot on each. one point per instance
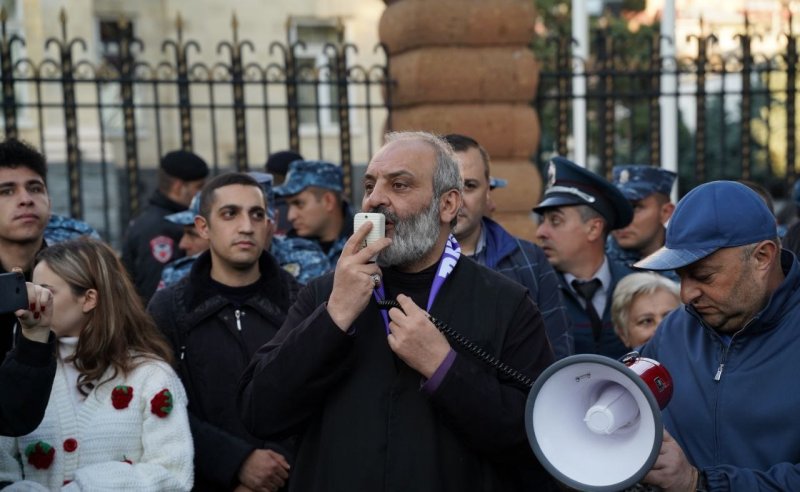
(648, 189)
(301, 257)
(577, 212)
(486, 242)
(317, 209)
(732, 351)
(191, 243)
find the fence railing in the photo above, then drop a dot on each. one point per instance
(737, 108)
(106, 119)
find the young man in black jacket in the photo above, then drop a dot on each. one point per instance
(232, 302)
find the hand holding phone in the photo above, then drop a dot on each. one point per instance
(35, 317)
(378, 227)
(354, 279)
(13, 292)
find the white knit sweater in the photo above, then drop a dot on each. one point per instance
(93, 443)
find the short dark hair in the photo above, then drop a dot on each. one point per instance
(16, 153)
(462, 143)
(228, 179)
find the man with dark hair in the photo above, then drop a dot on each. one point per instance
(381, 400)
(26, 224)
(152, 241)
(278, 166)
(232, 302)
(486, 242)
(578, 210)
(648, 189)
(317, 209)
(732, 350)
(24, 213)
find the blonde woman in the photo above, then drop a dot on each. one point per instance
(117, 418)
(641, 301)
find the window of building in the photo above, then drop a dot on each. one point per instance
(317, 90)
(110, 35)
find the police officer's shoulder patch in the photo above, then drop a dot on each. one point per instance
(161, 247)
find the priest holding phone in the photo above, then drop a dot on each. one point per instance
(380, 399)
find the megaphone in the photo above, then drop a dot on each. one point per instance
(594, 423)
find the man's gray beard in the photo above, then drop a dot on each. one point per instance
(414, 237)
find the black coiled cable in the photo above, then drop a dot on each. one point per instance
(469, 346)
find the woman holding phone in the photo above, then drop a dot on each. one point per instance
(116, 418)
(26, 375)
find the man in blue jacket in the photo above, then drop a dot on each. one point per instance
(732, 351)
(486, 242)
(578, 210)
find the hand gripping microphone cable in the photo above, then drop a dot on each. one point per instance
(468, 345)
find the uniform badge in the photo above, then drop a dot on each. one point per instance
(551, 175)
(161, 248)
(292, 268)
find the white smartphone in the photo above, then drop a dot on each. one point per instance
(378, 227)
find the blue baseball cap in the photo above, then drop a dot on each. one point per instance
(303, 174)
(637, 181)
(715, 215)
(187, 216)
(569, 184)
(497, 182)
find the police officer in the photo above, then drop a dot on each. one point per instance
(578, 210)
(191, 243)
(61, 228)
(648, 189)
(152, 241)
(278, 166)
(317, 209)
(301, 257)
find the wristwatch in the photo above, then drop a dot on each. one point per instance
(702, 481)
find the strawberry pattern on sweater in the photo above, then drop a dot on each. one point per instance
(103, 446)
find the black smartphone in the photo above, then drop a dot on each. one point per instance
(13, 292)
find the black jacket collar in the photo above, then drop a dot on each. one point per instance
(161, 200)
(272, 284)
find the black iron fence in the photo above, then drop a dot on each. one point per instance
(737, 108)
(104, 117)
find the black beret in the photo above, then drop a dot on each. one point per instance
(278, 163)
(184, 165)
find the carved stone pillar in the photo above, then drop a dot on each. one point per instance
(464, 66)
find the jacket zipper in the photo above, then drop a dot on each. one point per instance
(238, 314)
(724, 358)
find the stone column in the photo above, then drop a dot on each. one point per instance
(464, 66)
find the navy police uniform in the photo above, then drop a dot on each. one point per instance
(319, 174)
(151, 241)
(637, 182)
(570, 185)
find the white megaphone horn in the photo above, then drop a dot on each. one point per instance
(595, 423)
